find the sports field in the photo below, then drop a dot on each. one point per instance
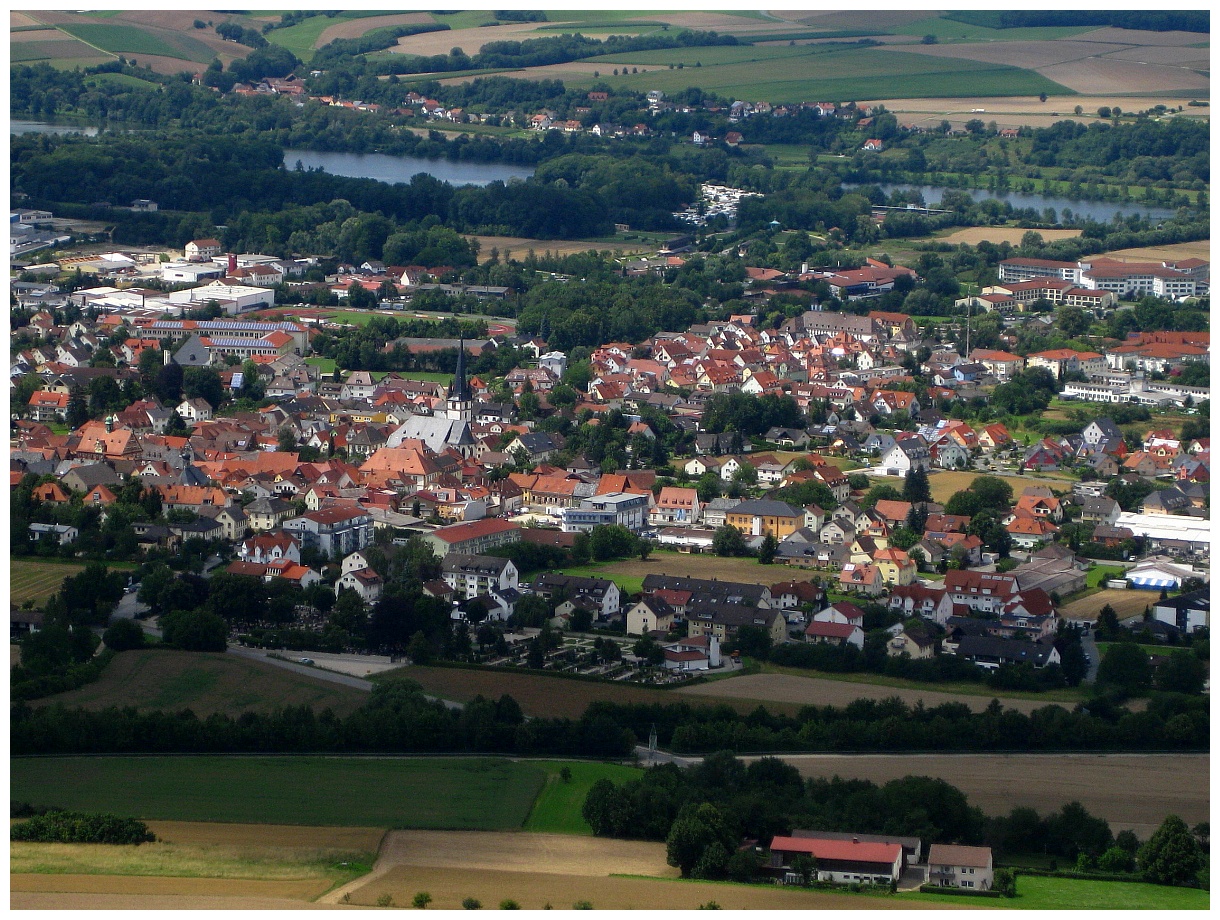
(205, 683)
(33, 580)
(450, 793)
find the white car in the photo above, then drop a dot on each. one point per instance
(305, 660)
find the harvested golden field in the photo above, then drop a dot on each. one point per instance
(469, 40)
(134, 887)
(205, 683)
(539, 870)
(1195, 58)
(1103, 75)
(538, 890)
(768, 689)
(355, 28)
(519, 246)
(556, 854)
(63, 901)
(1133, 791)
(975, 235)
(695, 565)
(21, 20)
(1031, 55)
(1195, 249)
(1143, 37)
(1126, 604)
(282, 836)
(544, 695)
(1016, 111)
(851, 19)
(947, 483)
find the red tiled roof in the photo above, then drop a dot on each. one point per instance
(843, 850)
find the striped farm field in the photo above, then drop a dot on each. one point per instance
(35, 581)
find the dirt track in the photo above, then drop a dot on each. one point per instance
(1133, 791)
(817, 691)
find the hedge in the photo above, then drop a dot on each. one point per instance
(964, 892)
(79, 827)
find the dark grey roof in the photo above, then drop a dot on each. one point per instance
(1195, 600)
(765, 507)
(1005, 650)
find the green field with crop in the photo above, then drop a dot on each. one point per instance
(125, 39)
(441, 793)
(557, 809)
(839, 74)
(205, 683)
(952, 30)
(708, 56)
(62, 48)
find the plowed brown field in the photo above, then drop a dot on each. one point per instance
(1133, 791)
(816, 691)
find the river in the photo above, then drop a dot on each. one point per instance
(43, 127)
(387, 168)
(1101, 211)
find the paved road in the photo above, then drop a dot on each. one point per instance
(129, 608)
(255, 654)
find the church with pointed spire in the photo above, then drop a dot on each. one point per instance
(460, 404)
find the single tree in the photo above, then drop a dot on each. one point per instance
(1172, 856)
(421, 900)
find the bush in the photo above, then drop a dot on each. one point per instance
(509, 904)
(964, 892)
(195, 630)
(78, 827)
(472, 904)
(124, 635)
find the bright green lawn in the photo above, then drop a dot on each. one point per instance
(440, 793)
(557, 808)
(1096, 576)
(325, 365)
(1035, 893)
(628, 584)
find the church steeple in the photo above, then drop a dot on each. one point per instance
(460, 404)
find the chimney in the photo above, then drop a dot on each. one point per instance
(232, 263)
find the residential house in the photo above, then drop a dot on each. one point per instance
(474, 537)
(821, 632)
(914, 642)
(960, 867)
(334, 532)
(470, 575)
(650, 614)
(602, 594)
(675, 506)
(757, 517)
(364, 581)
(862, 578)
